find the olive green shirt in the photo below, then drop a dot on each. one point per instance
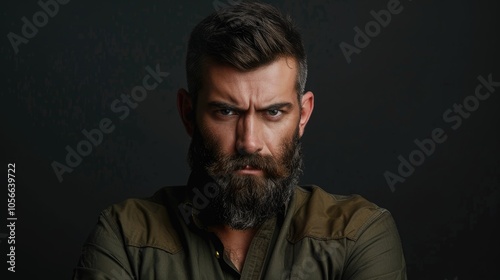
(319, 236)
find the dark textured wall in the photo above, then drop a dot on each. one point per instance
(403, 85)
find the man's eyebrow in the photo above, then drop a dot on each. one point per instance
(225, 105)
(219, 104)
(280, 105)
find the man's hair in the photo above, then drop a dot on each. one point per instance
(246, 36)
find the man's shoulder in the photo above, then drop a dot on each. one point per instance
(146, 206)
(322, 215)
(147, 222)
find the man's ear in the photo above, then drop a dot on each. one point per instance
(185, 108)
(307, 106)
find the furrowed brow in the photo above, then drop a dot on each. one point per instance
(222, 105)
(282, 105)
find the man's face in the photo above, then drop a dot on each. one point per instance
(246, 137)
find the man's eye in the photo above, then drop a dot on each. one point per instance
(227, 112)
(274, 112)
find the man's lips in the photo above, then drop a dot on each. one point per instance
(248, 169)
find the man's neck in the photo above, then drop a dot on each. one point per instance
(235, 242)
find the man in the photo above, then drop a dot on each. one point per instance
(242, 215)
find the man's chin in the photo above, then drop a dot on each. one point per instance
(251, 188)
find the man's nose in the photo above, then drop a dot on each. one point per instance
(249, 140)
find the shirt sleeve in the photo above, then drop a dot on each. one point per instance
(103, 254)
(377, 253)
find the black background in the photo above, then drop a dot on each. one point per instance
(367, 113)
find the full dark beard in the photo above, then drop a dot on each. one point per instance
(245, 201)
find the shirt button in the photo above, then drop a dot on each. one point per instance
(217, 255)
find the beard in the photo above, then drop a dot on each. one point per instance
(246, 201)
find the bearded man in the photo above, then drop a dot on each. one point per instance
(242, 214)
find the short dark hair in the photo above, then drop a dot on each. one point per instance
(246, 35)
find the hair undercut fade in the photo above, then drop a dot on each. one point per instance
(247, 35)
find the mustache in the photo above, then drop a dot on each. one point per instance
(230, 163)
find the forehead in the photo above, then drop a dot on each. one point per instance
(275, 81)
